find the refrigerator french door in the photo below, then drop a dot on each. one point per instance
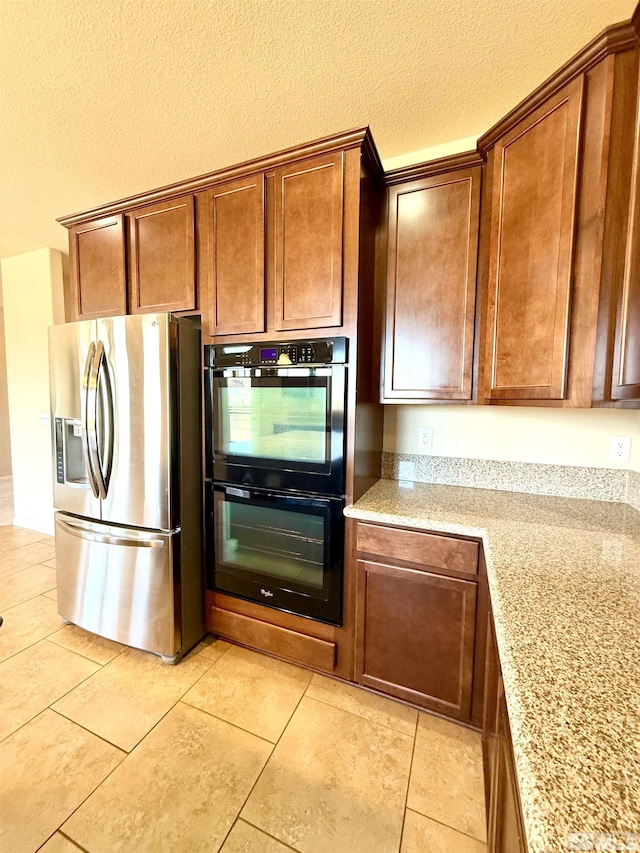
(125, 405)
(281, 549)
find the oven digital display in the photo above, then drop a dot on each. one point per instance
(268, 354)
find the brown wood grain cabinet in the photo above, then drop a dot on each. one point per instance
(162, 257)
(431, 286)
(308, 243)
(416, 618)
(625, 383)
(506, 833)
(235, 266)
(533, 216)
(98, 267)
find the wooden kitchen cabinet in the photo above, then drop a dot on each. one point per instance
(625, 380)
(135, 262)
(432, 255)
(162, 257)
(505, 831)
(235, 265)
(98, 268)
(416, 606)
(308, 243)
(533, 217)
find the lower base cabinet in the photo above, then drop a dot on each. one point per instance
(416, 623)
(504, 814)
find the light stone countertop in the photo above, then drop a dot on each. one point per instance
(564, 578)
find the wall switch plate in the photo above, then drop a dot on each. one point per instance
(425, 438)
(620, 448)
(45, 419)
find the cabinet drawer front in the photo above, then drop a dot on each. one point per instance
(309, 651)
(416, 636)
(440, 552)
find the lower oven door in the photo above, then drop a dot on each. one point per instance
(281, 550)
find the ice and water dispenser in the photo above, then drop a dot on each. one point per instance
(71, 468)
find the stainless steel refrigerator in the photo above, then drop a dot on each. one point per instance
(126, 427)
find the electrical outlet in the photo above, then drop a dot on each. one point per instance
(406, 470)
(620, 448)
(425, 439)
(45, 419)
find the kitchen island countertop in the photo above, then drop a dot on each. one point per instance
(564, 580)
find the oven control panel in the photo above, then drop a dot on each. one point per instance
(278, 354)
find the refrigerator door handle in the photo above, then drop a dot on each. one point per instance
(92, 421)
(86, 379)
(82, 533)
(104, 418)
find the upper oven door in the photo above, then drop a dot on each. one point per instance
(278, 428)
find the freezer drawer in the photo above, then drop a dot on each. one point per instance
(118, 582)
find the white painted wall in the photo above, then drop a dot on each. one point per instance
(552, 436)
(33, 299)
(458, 146)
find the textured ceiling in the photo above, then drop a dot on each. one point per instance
(102, 99)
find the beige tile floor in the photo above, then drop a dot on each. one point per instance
(104, 748)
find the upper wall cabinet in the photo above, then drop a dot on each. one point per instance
(162, 257)
(432, 255)
(533, 215)
(308, 243)
(98, 268)
(625, 380)
(235, 236)
(136, 262)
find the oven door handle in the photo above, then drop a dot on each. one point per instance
(249, 493)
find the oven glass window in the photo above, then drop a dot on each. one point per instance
(273, 419)
(269, 542)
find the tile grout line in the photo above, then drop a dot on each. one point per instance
(361, 716)
(246, 799)
(406, 796)
(448, 826)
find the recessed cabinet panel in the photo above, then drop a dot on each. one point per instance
(98, 270)
(415, 636)
(308, 238)
(532, 242)
(237, 236)
(431, 287)
(163, 257)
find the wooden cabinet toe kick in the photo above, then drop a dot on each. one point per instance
(309, 651)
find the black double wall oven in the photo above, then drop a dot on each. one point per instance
(275, 428)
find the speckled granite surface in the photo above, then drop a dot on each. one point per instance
(569, 481)
(564, 577)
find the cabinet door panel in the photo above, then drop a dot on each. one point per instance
(162, 266)
(308, 234)
(532, 242)
(98, 269)
(626, 359)
(431, 287)
(415, 636)
(236, 274)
